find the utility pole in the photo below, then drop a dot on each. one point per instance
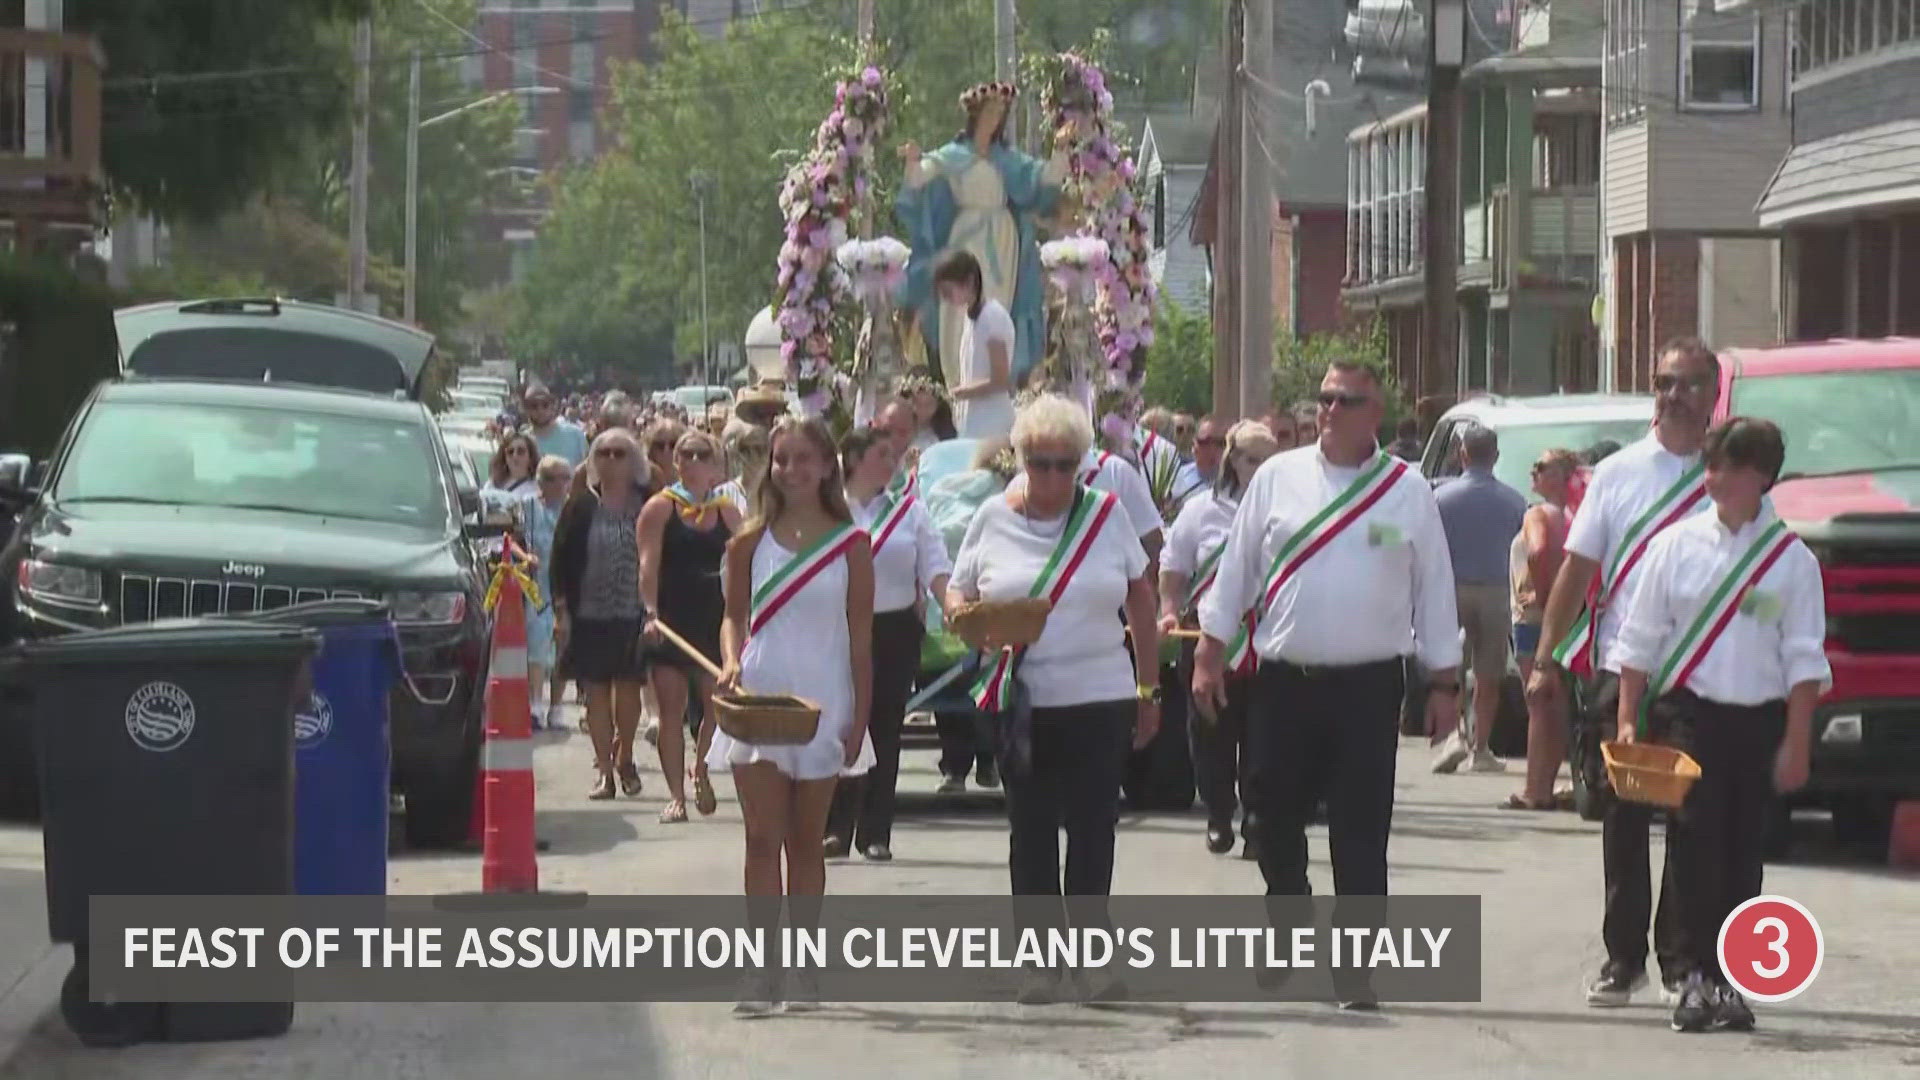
(1256, 216)
(1226, 223)
(413, 183)
(1006, 59)
(700, 185)
(866, 22)
(1440, 344)
(357, 193)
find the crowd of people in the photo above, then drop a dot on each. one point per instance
(1308, 572)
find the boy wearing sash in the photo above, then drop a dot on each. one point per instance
(1722, 654)
(1338, 559)
(1634, 495)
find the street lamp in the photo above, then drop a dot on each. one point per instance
(702, 186)
(414, 126)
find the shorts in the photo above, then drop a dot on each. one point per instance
(1486, 612)
(1526, 639)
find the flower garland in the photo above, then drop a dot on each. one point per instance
(819, 199)
(1100, 175)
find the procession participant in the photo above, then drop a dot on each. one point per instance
(746, 448)
(1183, 429)
(1532, 565)
(683, 534)
(597, 613)
(1634, 495)
(536, 517)
(1306, 423)
(932, 416)
(799, 621)
(1722, 653)
(559, 437)
(983, 396)
(1159, 420)
(1070, 704)
(1338, 561)
(1104, 470)
(895, 423)
(909, 560)
(1209, 447)
(1286, 432)
(662, 439)
(1194, 547)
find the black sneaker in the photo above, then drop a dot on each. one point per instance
(1615, 984)
(987, 776)
(1219, 837)
(1731, 1011)
(1698, 1001)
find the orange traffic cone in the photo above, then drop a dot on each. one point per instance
(507, 862)
(1903, 848)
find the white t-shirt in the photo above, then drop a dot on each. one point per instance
(1103, 471)
(1202, 528)
(1082, 656)
(912, 557)
(991, 416)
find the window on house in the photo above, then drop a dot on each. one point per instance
(1827, 32)
(1719, 60)
(580, 105)
(1625, 61)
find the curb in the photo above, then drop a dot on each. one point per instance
(34, 996)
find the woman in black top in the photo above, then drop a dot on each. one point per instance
(597, 612)
(683, 536)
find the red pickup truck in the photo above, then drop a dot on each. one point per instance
(1850, 411)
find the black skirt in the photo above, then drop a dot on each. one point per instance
(604, 651)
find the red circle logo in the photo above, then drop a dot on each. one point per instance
(1771, 948)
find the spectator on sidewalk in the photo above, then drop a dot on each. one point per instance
(1481, 516)
(1406, 443)
(1532, 564)
(556, 437)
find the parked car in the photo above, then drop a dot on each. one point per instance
(181, 492)
(1850, 412)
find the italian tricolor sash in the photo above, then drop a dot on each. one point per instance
(1374, 481)
(1091, 509)
(905, 484)
(1203, 576)
(785, 583)
(1093, 473)
(1576, 651)
(1718, 611)
(889, 519)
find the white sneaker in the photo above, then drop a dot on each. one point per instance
(1487, 761)
(553, 716)
(652, 734)
(1451, 752)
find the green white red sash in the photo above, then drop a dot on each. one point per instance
(889, 519)
(1576, 651)
(785, 583)
(1718, 611)
(1203, 577)
(905, 484)
(1092, 474)
(1091, 509)
(1374, 481)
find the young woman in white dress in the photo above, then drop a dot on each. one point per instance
(799, 621)
(983, 400)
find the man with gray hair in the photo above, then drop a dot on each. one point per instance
(1481, 516)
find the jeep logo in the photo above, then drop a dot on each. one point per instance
(245, 570)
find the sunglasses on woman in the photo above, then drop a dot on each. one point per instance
(1053, 464)
(696, 455)
(612, 453)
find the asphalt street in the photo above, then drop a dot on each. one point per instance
(1539, 875)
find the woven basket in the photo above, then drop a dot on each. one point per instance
(767, 719)
(1650, 774)
(996, 624)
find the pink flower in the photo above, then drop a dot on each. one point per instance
(871, 77)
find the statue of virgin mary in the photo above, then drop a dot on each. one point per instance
(979, 194)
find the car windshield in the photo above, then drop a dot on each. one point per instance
(188, 454)
(1839, 421)
(1522, 444)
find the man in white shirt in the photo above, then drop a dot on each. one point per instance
(1634, 495)
(1338, 557)
(1722, 653)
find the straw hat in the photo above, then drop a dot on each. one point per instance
(763, 395)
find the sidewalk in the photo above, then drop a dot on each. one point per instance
(30, 967)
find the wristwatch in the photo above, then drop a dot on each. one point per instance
(1149, 693)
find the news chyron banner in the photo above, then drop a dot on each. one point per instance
(851, 948)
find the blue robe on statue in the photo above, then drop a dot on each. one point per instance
(930, 212)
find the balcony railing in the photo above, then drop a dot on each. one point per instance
(1556, 243)
(49, 123)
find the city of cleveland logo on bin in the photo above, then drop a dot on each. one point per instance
(159, 717)
(312, 724)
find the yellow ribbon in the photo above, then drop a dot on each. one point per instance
(509, 568)
(690, 511)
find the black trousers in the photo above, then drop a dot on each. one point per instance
(862, 811)
(1079, 757)
(1626, 853)
(966, 742)
(1332, 733)
(1221, 765)
(1716, 843)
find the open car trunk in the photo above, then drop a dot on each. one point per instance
(281, 341)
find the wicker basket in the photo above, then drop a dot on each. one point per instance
(1649, 773)
(767, 719)
(996, 624)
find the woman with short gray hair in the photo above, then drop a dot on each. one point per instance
(1070, 704)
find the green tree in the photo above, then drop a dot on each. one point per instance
(207, 101)
(1300, 363)
(1180, 361)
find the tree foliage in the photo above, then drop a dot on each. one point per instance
(1180, 360)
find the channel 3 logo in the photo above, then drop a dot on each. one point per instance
(1771, 948)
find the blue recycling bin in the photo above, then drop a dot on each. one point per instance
(342, 754)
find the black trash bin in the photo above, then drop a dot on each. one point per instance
(166, 768)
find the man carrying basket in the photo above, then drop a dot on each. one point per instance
(1634, 495)
(1721, 654)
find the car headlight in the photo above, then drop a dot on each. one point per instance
(429, 608)
(74, 586)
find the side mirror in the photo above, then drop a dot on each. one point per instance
(18, 477)
(485, 530)
(469, 501)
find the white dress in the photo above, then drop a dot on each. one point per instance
(804, 650)
(984, 226)
(989, 416)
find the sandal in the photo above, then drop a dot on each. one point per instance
(630, 779)
(703, 797)
(1520, 802)
(602, 788)
(674, 814)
